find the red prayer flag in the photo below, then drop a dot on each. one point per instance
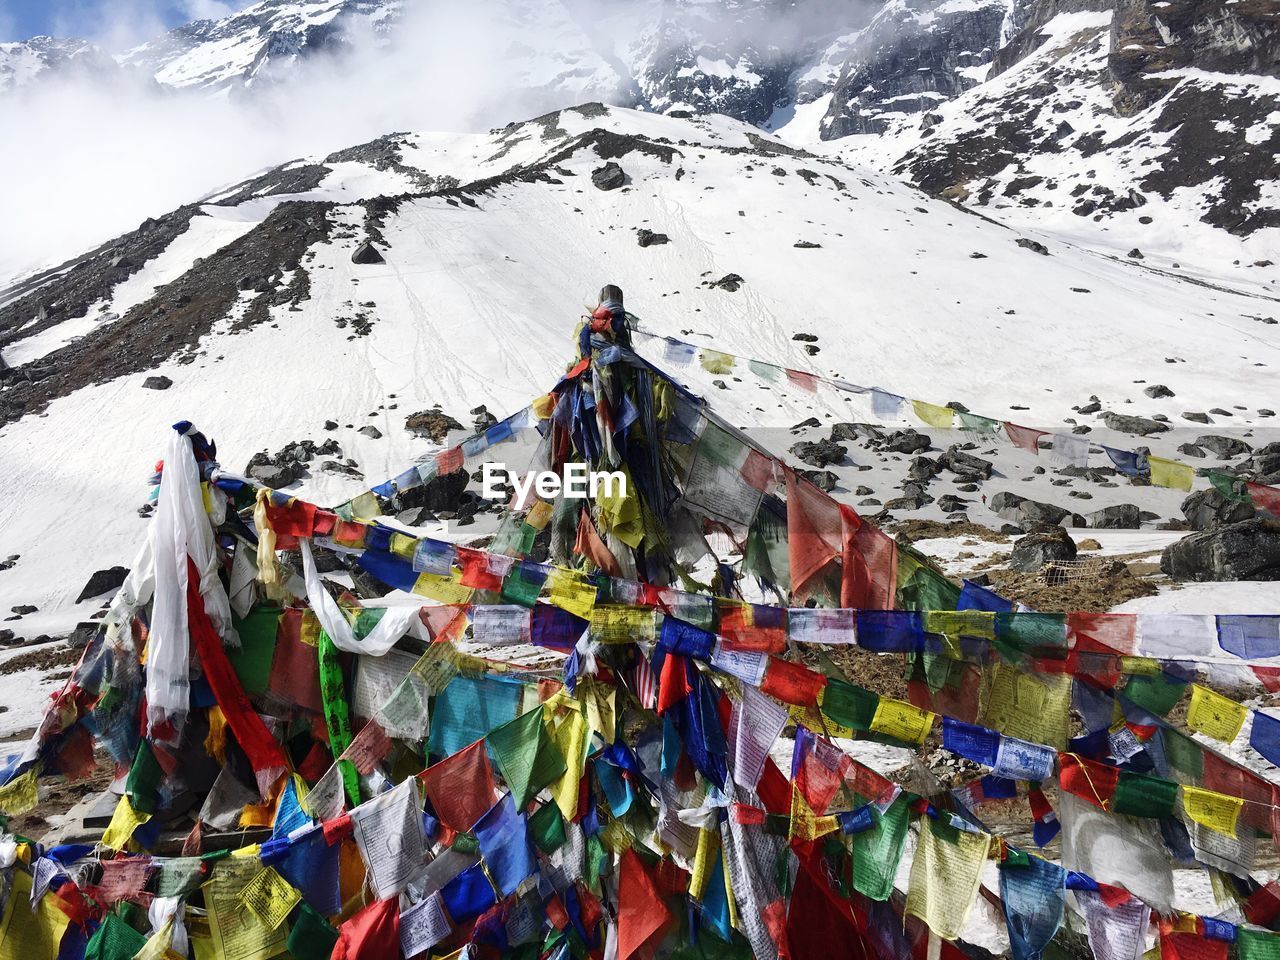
(590, 545)
(460, 787)
(264, 753)
(1118, 631)
(1088, 779)
(372, 934)
(1024, 437)
(673, 683)
(1265, 498)
(449, 461)
(815, 532)
(297, 518)
(642, 915)
(1191, 946)
(757, 470)
(792, 682)
(1269, 677)
(869, 562)
(806, 381)
(475, 570)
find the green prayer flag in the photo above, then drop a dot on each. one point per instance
(333, 694)
(1141, 796)
(1257, 944)
(719, 446)
(920, 587)
(252, 662)
(143, 783)
(1156, 694)
(1041, 635)
(1231, 488)
(848, 705)
(523, 583)
(366, 620)
(526, 756)
(178, 876)
(876, 852)
(1185, 756)
(546, 828)
(465, 844)
(982, 426)
(765, 371)
(768, 557)
(113, 940)
(311, 937)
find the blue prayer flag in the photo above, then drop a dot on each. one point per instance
(1250, 637)
(1265, 736)
(890, 631)
(1128, 462)
(468, 895)
(1032, 897)
(686, 639)
(969, 741)
(974, 596)
(503, 836)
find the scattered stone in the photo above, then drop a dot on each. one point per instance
(949, 503)
(331, 424)
(977, 256)
(609, 177)
(103, 581)
(1249, 550)
(647, 238)
(1088, 543)
(370, 431)
(862, 491)
(806, 424)
(367, 253)
(157, 383)
(84, 631)
(1224, 448)
(907, 441)
(924, 469)
(1033, 245)
(870, 502)
(730, 282)
(1219, 412)
(909, 503)
(431, 424)
(22, 609)
(1136, 254)
(824, 480)
(1158, 390)
(806, 245)
(1196, 417)
(805, 337)
(966, 464)
(1265, 412)
(820, 453)
(1033, 551)
(1190, 450)
(1122, 516)
(1124, 423)
(1093, 406)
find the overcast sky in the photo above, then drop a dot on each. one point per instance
(111, 22)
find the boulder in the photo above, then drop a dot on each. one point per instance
(157, 383)
(950, 502)
(1033, 245)
(820, 453)
(367, 253)
(1122, 516)
(1031, 552)
(609, 177)
(730, 282)
(1224, 448)
(431, 424)
(276, 475)
(966, 464)
(909, 503)
(647, 238)
(852, 431)
(370, 431)
(1157, 391)
(1249, 550)
(907, 441)
(824, 480)
(1195, 416)
(923, 468)
(1005, 504)
(1206, 508)
(1264, 464)
(85, 630)
(103, 581)
(1124, 423)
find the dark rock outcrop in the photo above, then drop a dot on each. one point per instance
(1207, 508)
(1033, 551)
(103, 581)
(1122, 516)
(609, 177)
(1249, 550)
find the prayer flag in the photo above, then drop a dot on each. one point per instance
(945, 875)
(1217, 811)
(1250, 637)
(1128, 462)
(372, 934)
(1070, 449)
(901, 721)
(932, 415)
(1265, 736)
(792, 682)
(971, 742)
(1214, 715)
(642, 914)
(1033, 897)
(504, 844)
(1265, 498)
(1170, 473)
(526, 756)
(1024, 438)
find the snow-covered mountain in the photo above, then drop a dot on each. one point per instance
(27, 62)
(249, 309)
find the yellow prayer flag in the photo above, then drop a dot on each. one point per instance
(805, 824)
(539, 515)
(901, 720)
(403, 545)
(270, 897)
(713, 361)
(571, 735)
(1170, 473)
(19, 795)
(1140, 666)
(1035, 708)
(813, 718)
(28, 934)
(703, 859)
(1214, 715)
(571, 591)
(124, 821)
(441, 588)
(945, 875)
(309, 633)
(933, 415)
(617, 623)
(365, 506)
(1217, 811)
(954, 624)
